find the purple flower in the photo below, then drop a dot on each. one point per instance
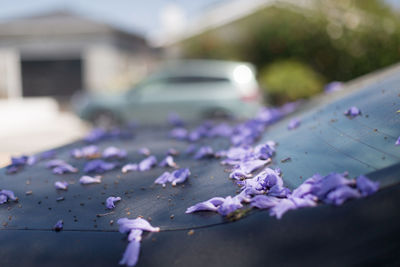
(90, 180)
(89, 152)
(204, 152)
(249, 166)
(126, 225)
(130, 167)
(352, 112)
(179, 133)
(341, 194)
(110, 202)
(61, 185)
(264, 202)
(293, 124)
(98, 166)
(366, 186)
(397, 141)
(6, 195)
(114, 152)
(60, 167)
(131, 254)
(144, 151)
(278, 191)
(168, 162)
(58, 226)
(229, 205)
(175, 120)
(147, 163)
(211, 205)
(179, 176)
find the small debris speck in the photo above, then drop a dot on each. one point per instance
(190, 232)
(172, 216)
(28, 192)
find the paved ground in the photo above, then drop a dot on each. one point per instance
(35, 124)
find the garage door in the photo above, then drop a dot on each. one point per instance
(51, 77)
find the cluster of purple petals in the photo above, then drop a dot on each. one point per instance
(98, 166)
(266, 191)
(6, 195)
(59, 166)
(134, 229)
(145, 165)
(42, 156)
(176, 177)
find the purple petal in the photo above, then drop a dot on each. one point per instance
(126, 225)
(352, 112)
(264, 202)
(147, 163)
(204, 152)
(86, 152)
(278, 191)
(9, 194)
(3, 199)
(98, 166)
(341, 194)
(110, 202)
(282, 207)
(131, 254)
(62, 185)
(172, 152)
(114, 152)
(90, 180)
(333, 87)
(366, 186)
(229, 205)
(163, 179)
(144, 151)
(330, 182)
(210, 205)
(293, 124)
(249, 166)
(179, 176)
(58, 226)
(130, 167)
(179, 133)
(168, 162)
(397, 141)
(135, 235)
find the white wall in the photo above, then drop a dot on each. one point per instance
(10, 74)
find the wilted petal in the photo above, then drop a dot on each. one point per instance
(210, 205)
(58, 226)
(90, 180)
(147, 163)
(168, 162)
(131, 254)
(86, 152)
(293, 124)
(249, 166)
(341, 194)
(62, 185)
(126, 225)
(114, 152)
(278, 191)
(110, 202)
(98, 166)
(352, 112)
(282, 207)
(397, 141)
(179, 176)
(328, 183)
(366, 186)
(229, 205)
(264, 202)
(130, 167)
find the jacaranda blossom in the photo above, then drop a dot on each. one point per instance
(58, 226)
(89, 152)
(168, 161)
(60, 166)
(397, 141)
(176, 177)
(130, 167)
(204, 152)
(6, 195)
(223, 206)
(352, 112)
(366, 186)
(110, 202)
(114, 152)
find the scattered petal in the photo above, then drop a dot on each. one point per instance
(58, 226)
(114, 152)
(89, 152)
(168, 162)
(98, 166)
(147, 163)
(131, 254)
(126, 225)
(61, 185)
(211, 205)
(352, 112)
(130, 167)
(397, 141)
(204, 152)
(293, 124)
(90, 180)
(179, 176)
(110, 202)
(366, 186)
(144, 151)
(264, 202)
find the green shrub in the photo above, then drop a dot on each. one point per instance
(288, 80)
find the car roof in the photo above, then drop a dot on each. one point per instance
(358, 232)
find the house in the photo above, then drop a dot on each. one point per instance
(60, 52)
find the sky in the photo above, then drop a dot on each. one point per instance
(147, 17)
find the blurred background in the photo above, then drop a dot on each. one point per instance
(56, 56)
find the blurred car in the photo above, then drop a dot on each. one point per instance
(191, 88)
